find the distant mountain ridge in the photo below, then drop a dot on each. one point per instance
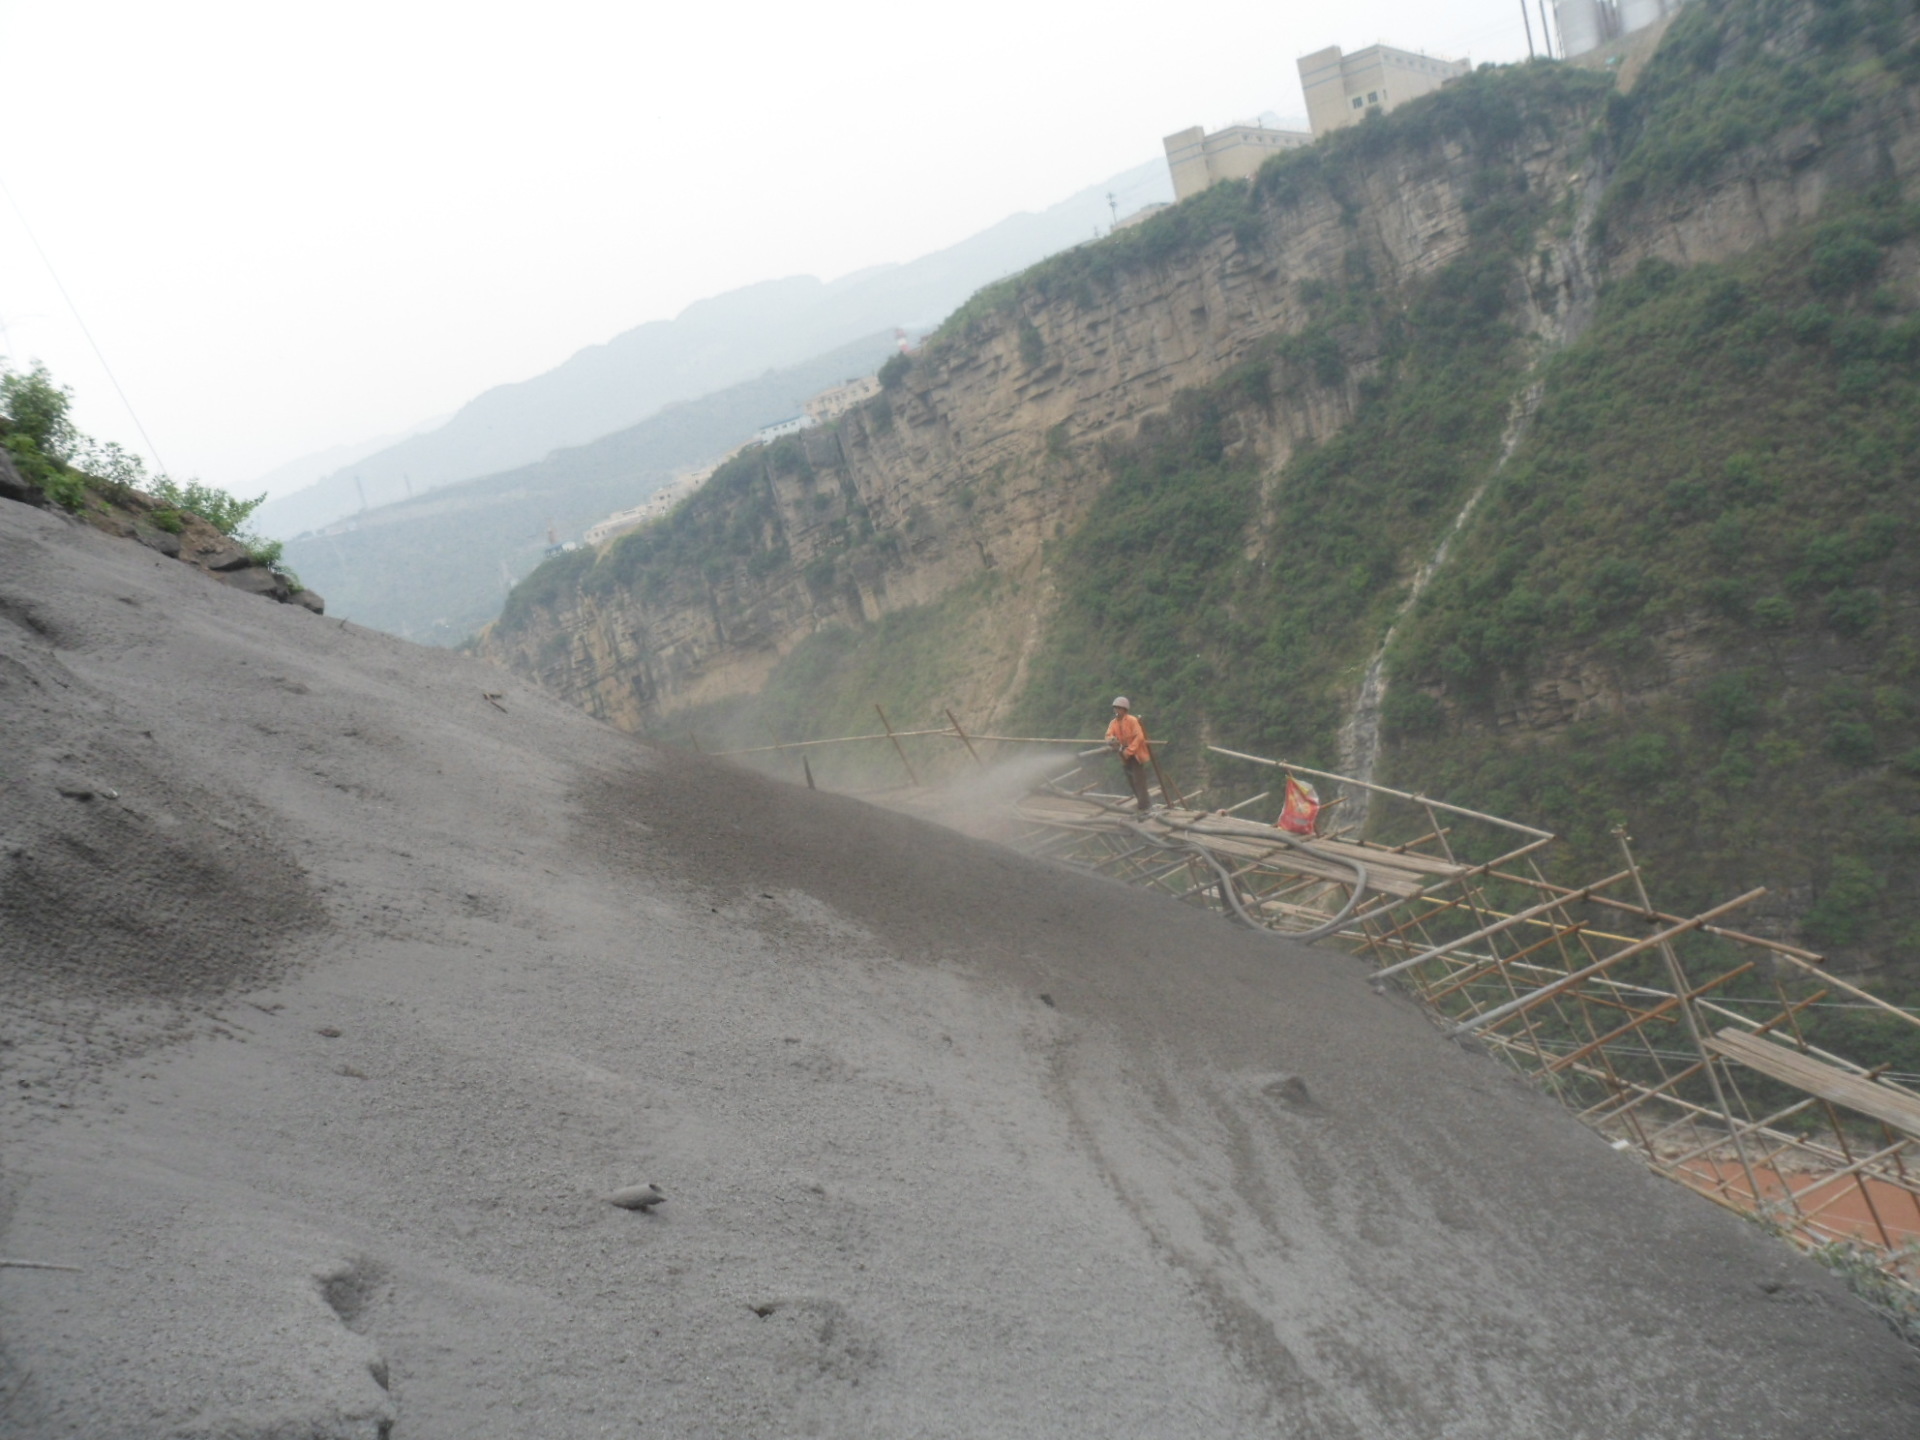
(435, 567)
(712, 344)
(297, 475)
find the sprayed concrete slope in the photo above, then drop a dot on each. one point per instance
(954, 1144)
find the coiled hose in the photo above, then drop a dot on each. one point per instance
(1231, 892)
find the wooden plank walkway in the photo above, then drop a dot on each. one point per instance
(1816, 1077)
(1243, 842)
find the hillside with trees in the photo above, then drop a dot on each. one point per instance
(1586, 423)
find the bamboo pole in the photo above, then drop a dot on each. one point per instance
(915, 735)
(1791, 1016)
(1506, 963)
(834, 740)
(1428, 891)
(1508, 923)
(1670, 1003)
(1167, 791)
(1837, 983)
(1739, 937)
(898, 748)
(1547, 992)
(1680, 987)
(965, 741)
(1382, 790)
(1855, 1167)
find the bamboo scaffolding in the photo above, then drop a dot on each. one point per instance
(1368, 785)
(1707, 1087)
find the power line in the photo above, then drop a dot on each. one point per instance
(98, 354)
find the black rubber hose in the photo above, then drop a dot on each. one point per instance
(1232, 894)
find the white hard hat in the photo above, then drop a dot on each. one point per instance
(1120, 703)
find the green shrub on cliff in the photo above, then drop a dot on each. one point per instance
(730, 524)
(554, 581)
(1711, 518)
(1487, 111)
(1730, 74)
(37, 411)
(37, 433)
(1247, 619)
(37, 430)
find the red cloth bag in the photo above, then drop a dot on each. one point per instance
(1301, 812)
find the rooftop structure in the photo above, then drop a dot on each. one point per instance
(1199, 160)
(1344, 89)
(836, 400)
(683, 484)
(828, 404)
(779, 429)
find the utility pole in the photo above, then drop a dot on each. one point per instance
(1546, 38)
(1114, 206)
(1529, 24)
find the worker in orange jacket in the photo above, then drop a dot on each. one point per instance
(1127, 738)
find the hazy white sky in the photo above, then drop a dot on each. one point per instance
(290, 227)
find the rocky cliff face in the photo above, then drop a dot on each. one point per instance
(989, 447)
(1632, 381)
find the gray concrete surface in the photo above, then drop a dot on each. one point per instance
(326, 1031)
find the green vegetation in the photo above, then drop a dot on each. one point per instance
(1734, 73)
(914, 662)
(1866, 1275)
(1685, 602)
(1144, 580)
(1489, 111)
(1709, 529)
(219, 509)
(906, 661)
(38, 435)
(37, 411)
(732, 523)
(74, 470)
(732, 528)
(1230, 616)
(554, 582)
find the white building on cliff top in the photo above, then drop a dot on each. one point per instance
(1199, 160)
(1342, 90)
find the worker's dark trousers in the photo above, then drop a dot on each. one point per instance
(1137, 777)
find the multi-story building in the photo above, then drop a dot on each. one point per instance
(1343, 89)
(1199, 160)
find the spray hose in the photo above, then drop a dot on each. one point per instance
(1231, 892)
